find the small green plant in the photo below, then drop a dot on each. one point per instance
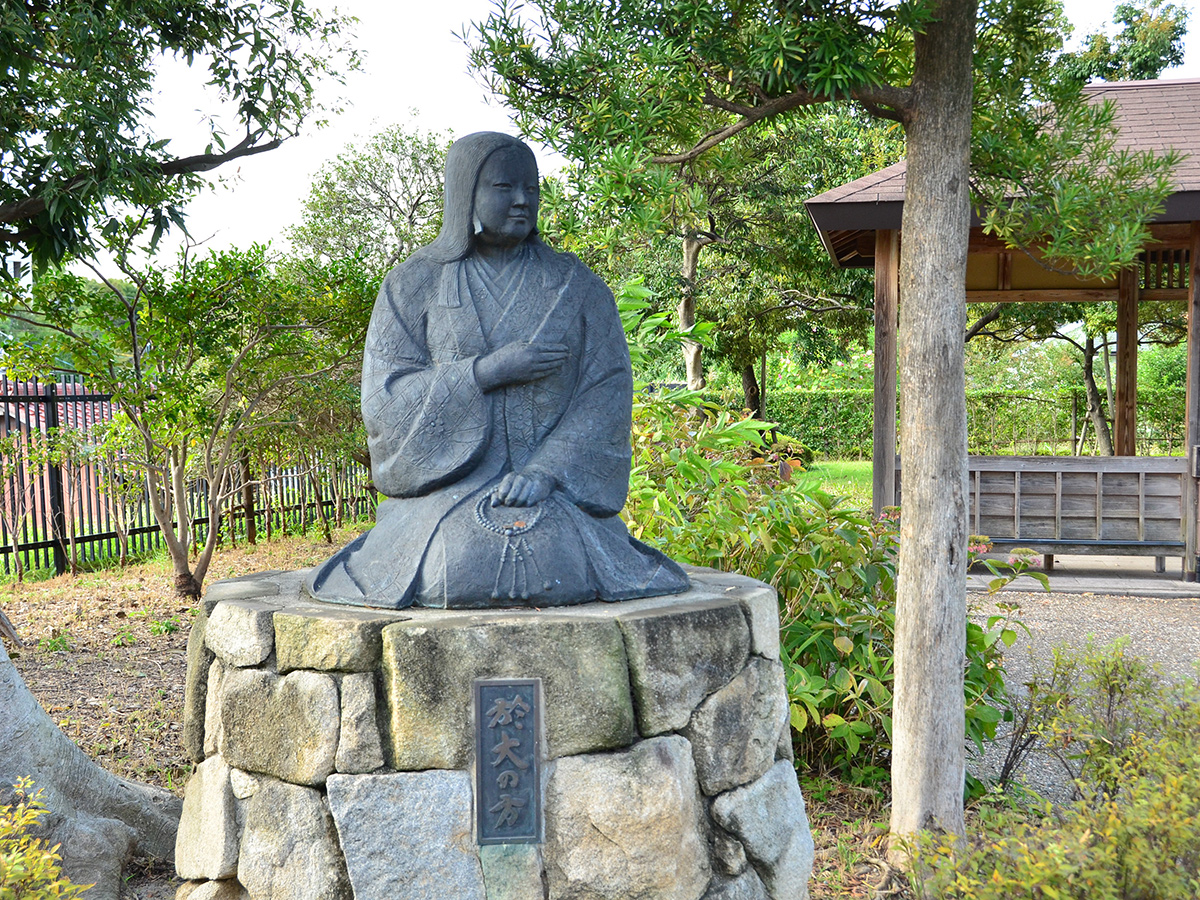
(29, 868)
(1021, 561)
(1107, 702)
(165, 626)
(58, 642)
(124, 638)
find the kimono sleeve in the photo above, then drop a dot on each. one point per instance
(427, 424)
(588, 451)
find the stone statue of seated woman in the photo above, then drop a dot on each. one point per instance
(497, 395)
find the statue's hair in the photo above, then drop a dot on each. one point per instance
(464, 162)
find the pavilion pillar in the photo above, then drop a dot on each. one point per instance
(887, 302)
(1193, 407)
(1125, 401)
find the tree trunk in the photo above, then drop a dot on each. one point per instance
(100, 820)
(248, 501)
(687, 311)
(169, 527)
(751, 393)
(762, 390)
(1095, 406)
(1108, 374)
(928, 755)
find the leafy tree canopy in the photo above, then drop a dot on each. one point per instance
(75, 138)
(1150, 40)
(195, 357)
(378, 201)
(635, 89)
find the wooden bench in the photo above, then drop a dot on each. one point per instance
(1127, 505)
(1111, 505)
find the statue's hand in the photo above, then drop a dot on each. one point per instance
(519, 363)
(518, 489)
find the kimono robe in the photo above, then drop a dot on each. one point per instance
(439, 444)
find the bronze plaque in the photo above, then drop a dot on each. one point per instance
(508, 750)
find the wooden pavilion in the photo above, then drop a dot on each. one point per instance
(1123, 504)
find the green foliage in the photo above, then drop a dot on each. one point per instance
(1150, 40)
(377, 202)
(634, 90)
(1132, 833)
(837, 424)
(1162, 369)
(1043, 160)
(59, 642)
(761, 269)
(708, 489)
(29, 867)
(196, 358)
(75, 132)
(165, 626)
(1102, 702)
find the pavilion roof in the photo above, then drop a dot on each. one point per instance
(1154, 115)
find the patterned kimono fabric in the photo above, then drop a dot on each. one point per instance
(439, 444)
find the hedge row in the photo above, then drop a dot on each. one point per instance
(837, 424)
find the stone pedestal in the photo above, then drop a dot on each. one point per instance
(335, 750)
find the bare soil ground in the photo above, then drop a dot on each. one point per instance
(105, 654)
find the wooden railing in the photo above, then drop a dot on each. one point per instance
(1125, 505)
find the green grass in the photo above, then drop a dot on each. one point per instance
(848, 478)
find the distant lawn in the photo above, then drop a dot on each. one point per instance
(849, 478)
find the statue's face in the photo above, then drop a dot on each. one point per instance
(506, 198)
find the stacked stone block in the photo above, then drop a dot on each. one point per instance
(334, 749)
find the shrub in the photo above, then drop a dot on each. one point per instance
(1134, 832)
(706, 490)
(29, 869)
(837, 423)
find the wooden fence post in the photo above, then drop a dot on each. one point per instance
(54, 484)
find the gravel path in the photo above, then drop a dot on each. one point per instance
(1164, 631)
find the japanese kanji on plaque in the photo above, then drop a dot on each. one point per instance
(508, 726)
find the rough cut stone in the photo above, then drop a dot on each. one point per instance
(211, 890)
(429, 664)
(759, 600)
(734, 733)
(206, 845)
(407, 836)
(512, 871)
(626, 826)
(329, 638)
(768, 817)
(359, 749)
(244, 587)
(283, 726)
(212, 707)
(289, 846)
(240, 632)
(747, 886)
(243, 783)
(195, 688)
(784, 748)
(679, 656)
(728, 854)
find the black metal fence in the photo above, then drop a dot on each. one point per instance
(68, 499)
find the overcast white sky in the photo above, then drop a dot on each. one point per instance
(413, 62)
